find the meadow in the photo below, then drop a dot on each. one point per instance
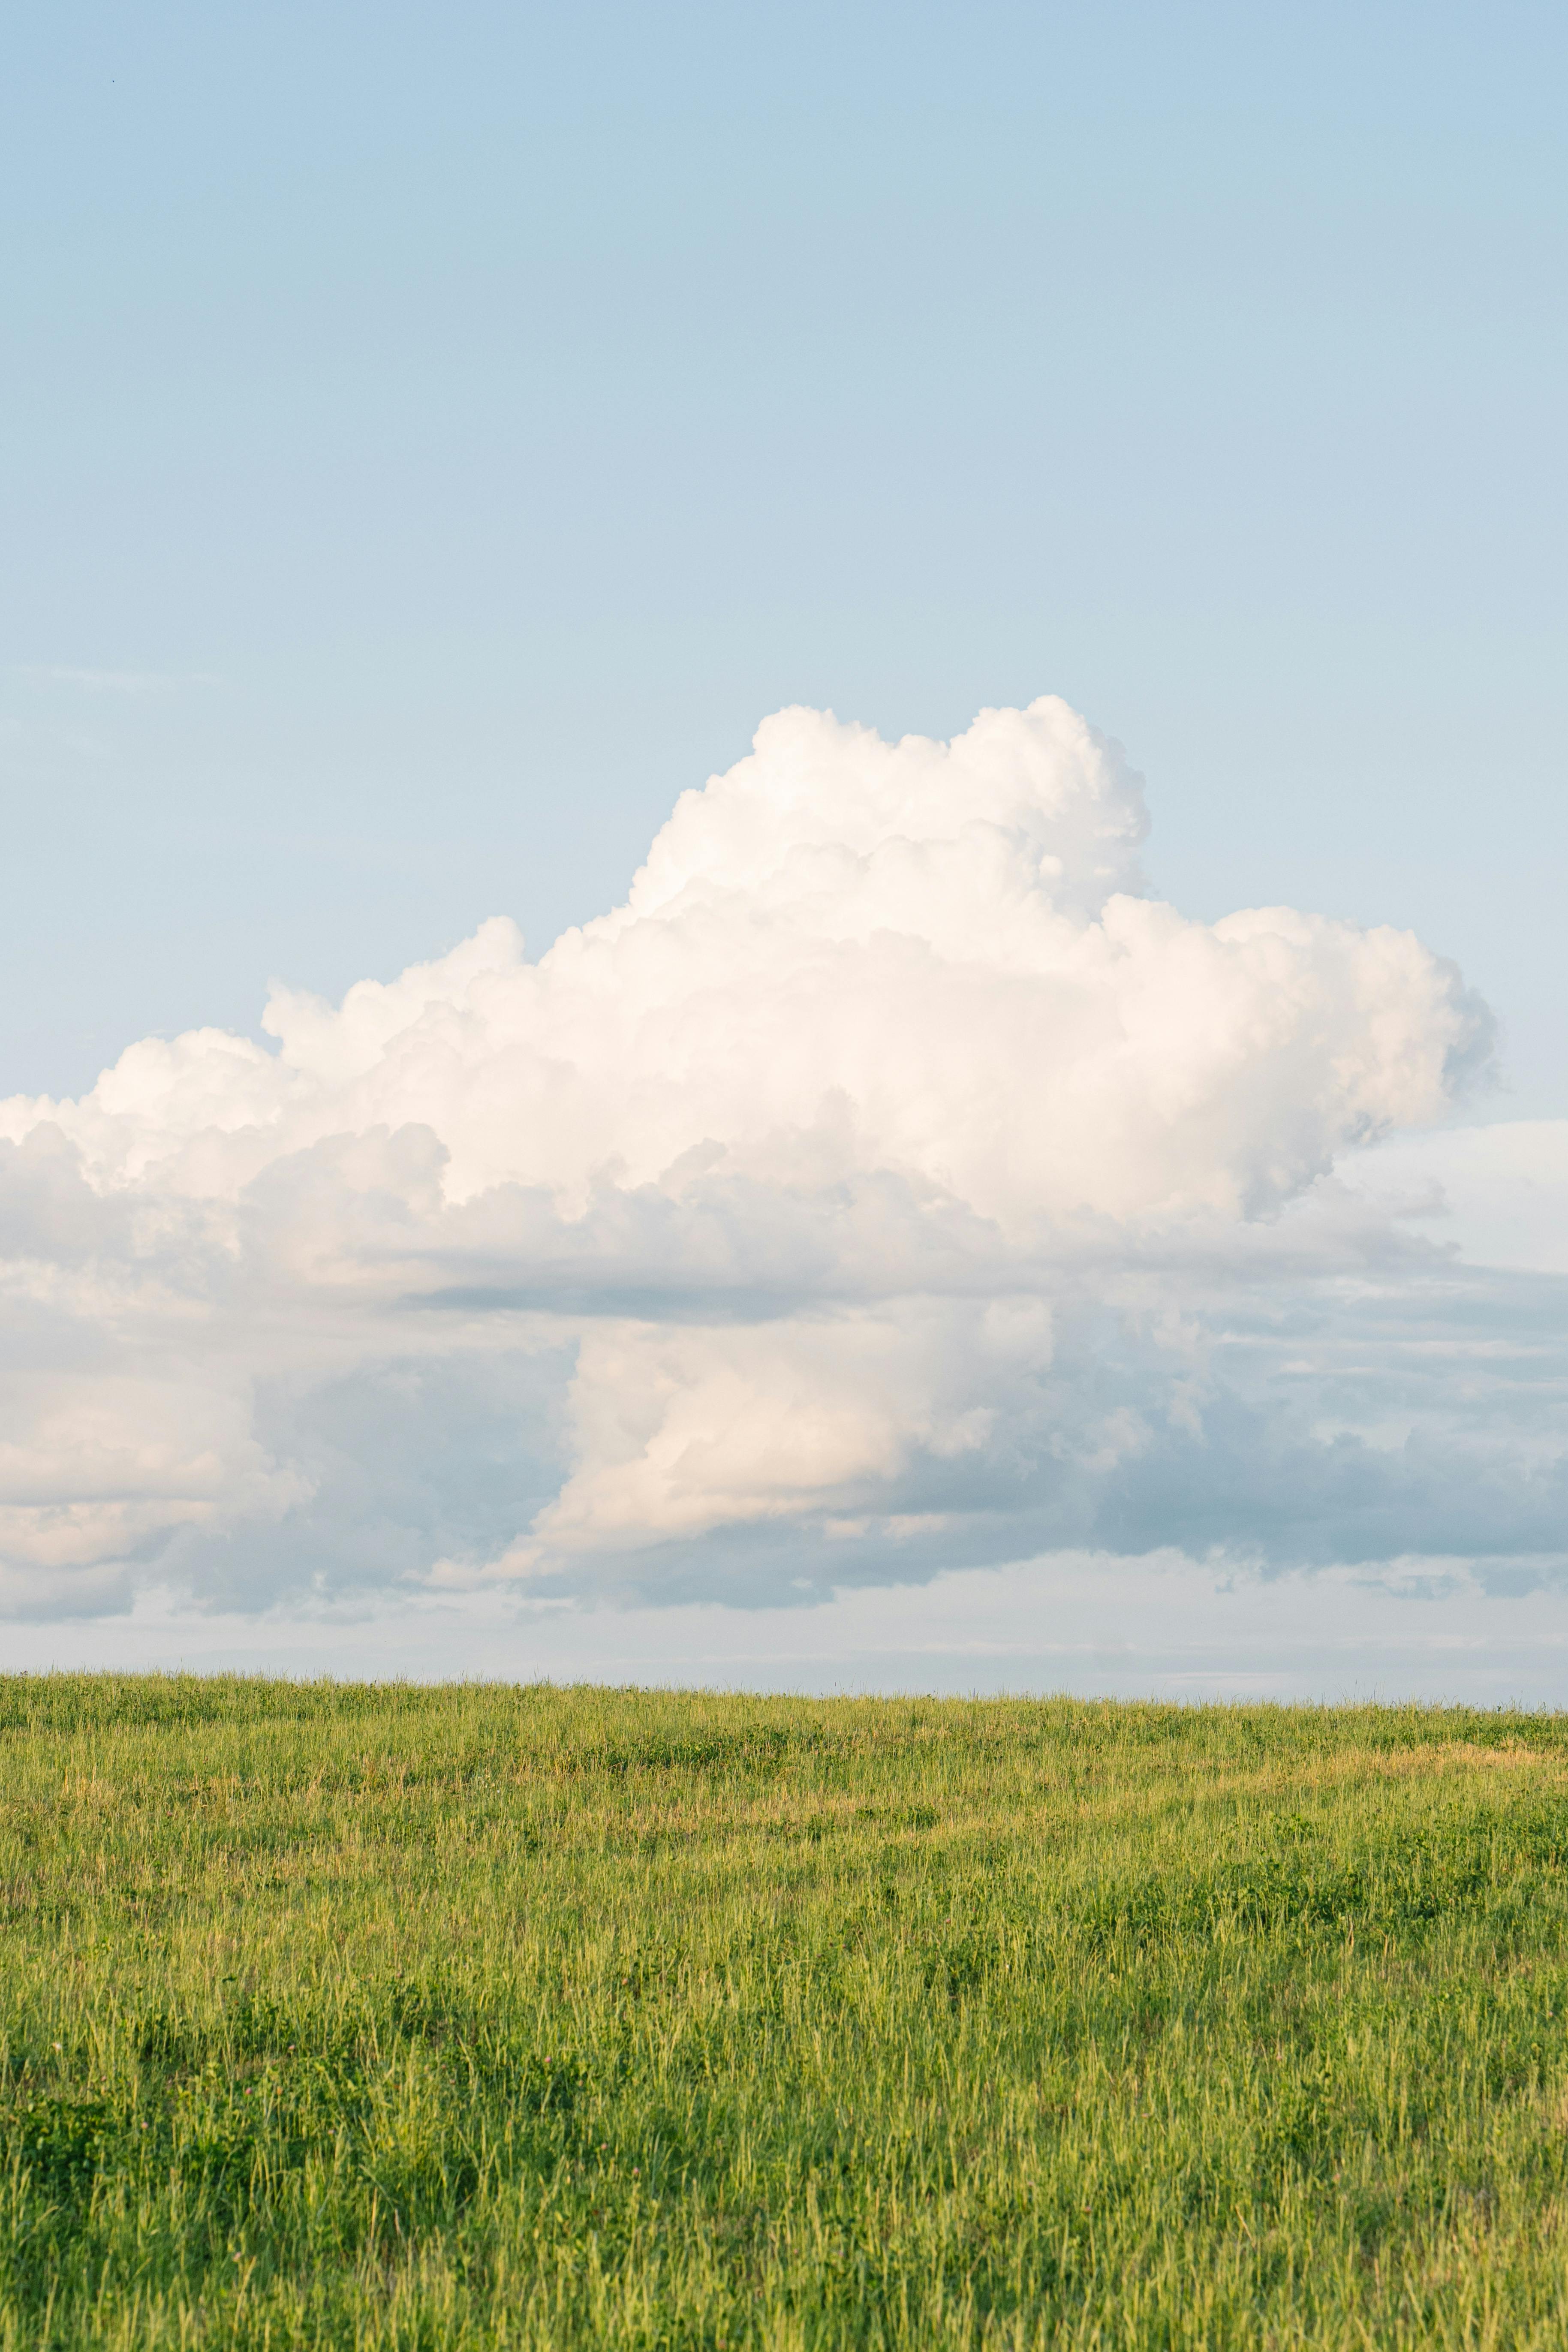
(478, 2016)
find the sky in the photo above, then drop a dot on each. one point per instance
(832, 1228)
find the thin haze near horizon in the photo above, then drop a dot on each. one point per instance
(436, 444)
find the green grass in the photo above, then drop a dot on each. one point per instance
(474, 2016)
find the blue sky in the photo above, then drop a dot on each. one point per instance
(436, 440)
(436, 437)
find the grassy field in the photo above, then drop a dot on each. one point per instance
(474, 2016)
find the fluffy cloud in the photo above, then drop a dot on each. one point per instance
(890, 1182)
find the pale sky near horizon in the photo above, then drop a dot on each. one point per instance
(436, 440)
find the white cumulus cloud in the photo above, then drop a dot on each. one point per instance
(892, 1182)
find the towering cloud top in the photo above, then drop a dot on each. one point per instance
(782, 1196)
(820, 807)
(930, 957)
